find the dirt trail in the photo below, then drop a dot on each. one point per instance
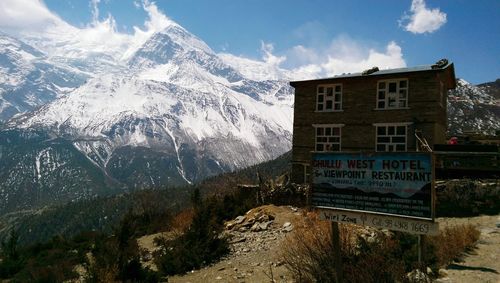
(483, 263)
(255, 255)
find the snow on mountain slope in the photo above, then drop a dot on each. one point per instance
(471, 108)
(257, 70)
(492, 88)
(28, 79)
(177, 98)
(37, 170)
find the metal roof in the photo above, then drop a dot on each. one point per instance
(385, 72)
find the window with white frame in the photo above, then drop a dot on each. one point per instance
(391, 137)
(329, 97)
(327, 137)
(392, 94)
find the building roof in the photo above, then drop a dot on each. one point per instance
(422, 68)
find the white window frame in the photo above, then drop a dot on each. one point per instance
(323, 97)
(389, 97)
(328, 140)
(391, 136)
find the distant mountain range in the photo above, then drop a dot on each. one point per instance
(172, 112)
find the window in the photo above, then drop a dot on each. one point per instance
(392, 94)
(327, 137)
(391, 137)
(329, 97)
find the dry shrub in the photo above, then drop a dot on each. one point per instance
(182, 220)
(367, 254)
(307, 252)
(452, 242)
(104, 275)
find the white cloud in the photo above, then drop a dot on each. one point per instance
(342, 55)
(422, 19)
(268, 57)
(26, 14)
(345, 55)
(156, 19)
(323, 57)
(359, 60)
(95, 10)
(268, 68)
(34, 22)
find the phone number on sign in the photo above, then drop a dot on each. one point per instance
(401, 225)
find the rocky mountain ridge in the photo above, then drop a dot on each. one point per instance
(473, 108)
(493, 88)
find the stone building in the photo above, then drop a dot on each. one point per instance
(373, 111)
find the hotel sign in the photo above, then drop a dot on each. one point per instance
(397, 184)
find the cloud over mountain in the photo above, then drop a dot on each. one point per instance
(31, 19)
(342, 55)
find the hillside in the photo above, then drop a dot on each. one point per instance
(493, 88)
(104, 213)
(473, 108)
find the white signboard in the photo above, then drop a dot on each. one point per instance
(421, 227)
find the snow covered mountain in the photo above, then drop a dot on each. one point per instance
(28, 79)
(172, 114)
(473, 108)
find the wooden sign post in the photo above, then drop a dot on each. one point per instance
(337, 252)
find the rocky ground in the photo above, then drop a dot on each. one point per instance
(256, 240)
(258, 236)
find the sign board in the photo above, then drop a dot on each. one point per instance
(422, 227)
(396, 183)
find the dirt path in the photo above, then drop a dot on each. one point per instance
(483, 263)
(255, 255)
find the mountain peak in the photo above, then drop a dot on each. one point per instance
(462, 82)
(185, 38)
(172, 42)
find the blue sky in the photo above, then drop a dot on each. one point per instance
(334, 36)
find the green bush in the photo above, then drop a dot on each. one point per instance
(463, 198)
(117, 258)
(53, 261)
(200, 245)
(11, 259)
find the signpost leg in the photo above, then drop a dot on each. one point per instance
(421, 244)
(336, 251)
(419, 248)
